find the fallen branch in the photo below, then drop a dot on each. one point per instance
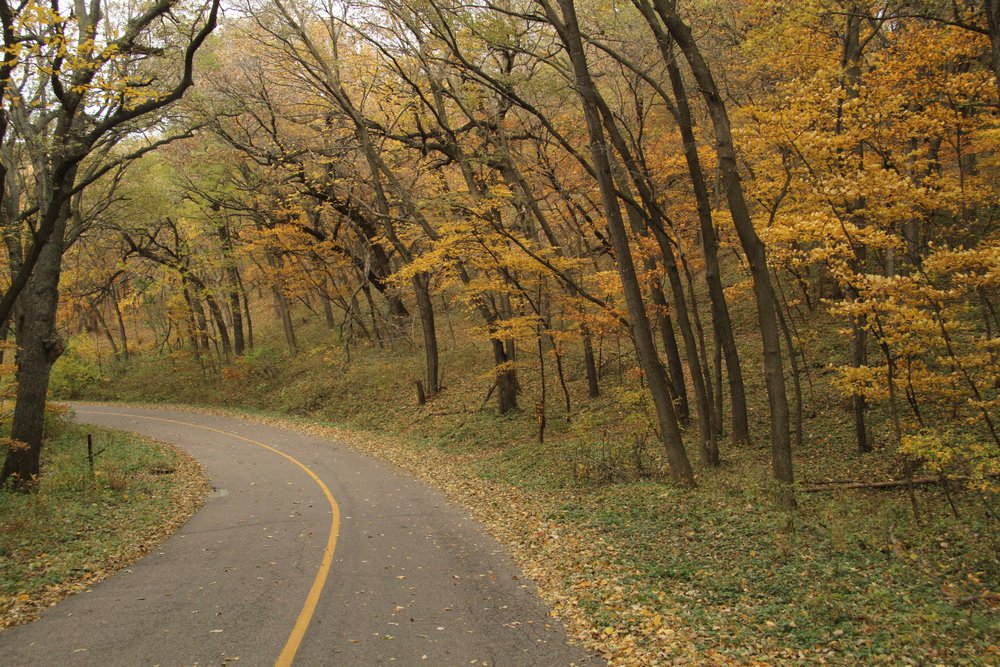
(891, 484)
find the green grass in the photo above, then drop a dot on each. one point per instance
(76, 527)
(848, 578)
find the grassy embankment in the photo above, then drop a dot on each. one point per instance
(642, 571)
(76, 529)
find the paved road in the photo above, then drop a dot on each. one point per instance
(307, 551)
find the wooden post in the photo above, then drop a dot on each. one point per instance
(540, 417)
(90, 453)
(421, 396)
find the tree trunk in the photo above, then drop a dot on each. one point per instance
(245, 299)
(753, 247)
(593, 382)
(703, 397)
(121, 324)
(201, 322)
(645, 349)
(641, 222)
(858, 348)
(233, 295)
(331, 322)
(39, 346)
(98, 318)
(220, 324)
(675, 367)
(992, 9)
(721, 322)
(505, 378)
(281, 305)
(421, 287)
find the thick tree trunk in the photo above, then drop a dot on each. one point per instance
(506, 379)
(569, 30)
(39, 346)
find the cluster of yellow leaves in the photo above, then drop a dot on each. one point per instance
(880, 186)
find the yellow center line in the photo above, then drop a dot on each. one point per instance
(309, 608)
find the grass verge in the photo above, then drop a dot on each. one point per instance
(78, 529)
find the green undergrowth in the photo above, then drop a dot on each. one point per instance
(78, 527)
(845, 580)
(853, 577)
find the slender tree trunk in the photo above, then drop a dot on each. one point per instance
(721, 322)
(675, 367)
(796, 379)
(236, 315)
(98, 318)
(421, 287)
(992, 9)
(284, 313)
(192, 323)
(245, 299)
(670, 434)
(201, 322)
(753, 247)
(233, 280)
(220, 324)
(373, 315)
(858, 348)
(590, 364)
(331, 322)
(121, 324)
(703, 397)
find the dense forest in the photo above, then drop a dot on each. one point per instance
(654, 238)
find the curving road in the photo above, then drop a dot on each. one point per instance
(307, 553)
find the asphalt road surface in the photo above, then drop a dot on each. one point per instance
(306, 553)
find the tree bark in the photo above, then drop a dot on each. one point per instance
(992, 9)
(590, 364)
(421, 288)
(753, 247)
(39, 346)
(569, 31)
(233, 295)
(121, 323)
(721, 321)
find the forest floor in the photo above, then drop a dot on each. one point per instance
(643, 572)
(80, 528)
